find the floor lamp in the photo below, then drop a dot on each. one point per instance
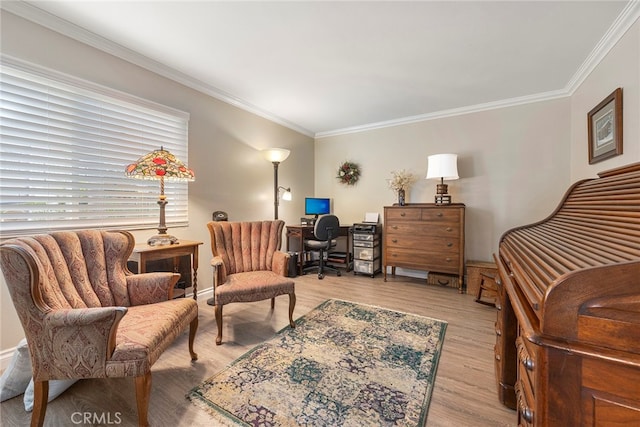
(276, 156)
(161, 165)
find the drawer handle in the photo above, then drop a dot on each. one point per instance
(403, 214)
(523, 409)
(439, 213)
(394, 240)
(498, 306)
(529, 364)
(395, 227)
(526, 360)
(449, 244)
(449, 229)
(448, 259)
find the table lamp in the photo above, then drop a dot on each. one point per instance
(162, 165)
(442, 166)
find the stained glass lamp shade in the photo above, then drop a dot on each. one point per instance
(162, 165)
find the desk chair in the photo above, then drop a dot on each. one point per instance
(325, 231)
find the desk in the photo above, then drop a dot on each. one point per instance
(142, 253)
(302, 232)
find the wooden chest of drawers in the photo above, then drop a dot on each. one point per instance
(424, 236)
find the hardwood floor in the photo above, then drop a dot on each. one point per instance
(464, 393)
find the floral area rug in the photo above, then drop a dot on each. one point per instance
(344, 364)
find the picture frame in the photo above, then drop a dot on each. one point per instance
(604, 123)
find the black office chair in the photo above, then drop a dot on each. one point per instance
(325, 231)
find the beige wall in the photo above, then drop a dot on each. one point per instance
(224, 144)
(620, 68)
(512, 162)
(515, 163)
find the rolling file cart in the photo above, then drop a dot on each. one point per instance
(366, 249)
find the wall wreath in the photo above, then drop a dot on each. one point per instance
(348, 173)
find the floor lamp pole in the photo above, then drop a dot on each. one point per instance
(275, 189)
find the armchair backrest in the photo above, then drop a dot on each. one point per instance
(246, 246)
(68, 269)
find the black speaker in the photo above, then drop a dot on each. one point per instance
(292, 268)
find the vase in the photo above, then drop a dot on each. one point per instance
(401, 197)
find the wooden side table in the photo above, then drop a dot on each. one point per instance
(142, 253)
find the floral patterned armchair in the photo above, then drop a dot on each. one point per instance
(248, 265)
(85, 315)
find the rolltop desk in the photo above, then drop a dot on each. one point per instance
(568, 330)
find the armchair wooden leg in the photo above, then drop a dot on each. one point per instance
(193, 327)
(292, 305)
(273, 303)
(143, 394)
(219, 323)
(40, 398)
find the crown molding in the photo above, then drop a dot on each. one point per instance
(625, 20)
(620, 26)
(57, 24)
(546, 96)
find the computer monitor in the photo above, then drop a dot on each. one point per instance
(317, 206)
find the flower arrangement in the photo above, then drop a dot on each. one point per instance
(401, 180)
(348, 173)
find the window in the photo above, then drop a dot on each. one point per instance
(64, 145)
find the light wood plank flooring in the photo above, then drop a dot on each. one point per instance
(465, 389)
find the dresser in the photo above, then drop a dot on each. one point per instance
(424, 236)
(568, 328)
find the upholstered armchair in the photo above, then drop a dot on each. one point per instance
(85, 315)
(248, 265)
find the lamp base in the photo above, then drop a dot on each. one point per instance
(443, 199)
(162, 239)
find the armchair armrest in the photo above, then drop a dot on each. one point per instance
(280, 263)
(219, 271)
(150, 288)
(85, 336)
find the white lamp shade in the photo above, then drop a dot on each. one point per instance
(443, 166)
(286, 196)
(276, 154)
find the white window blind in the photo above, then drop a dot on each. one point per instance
(64, 146)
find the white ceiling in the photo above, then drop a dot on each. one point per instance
(330, 67)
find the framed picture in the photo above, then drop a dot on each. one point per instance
(605, 128)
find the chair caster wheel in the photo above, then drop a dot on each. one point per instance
(320, 276)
